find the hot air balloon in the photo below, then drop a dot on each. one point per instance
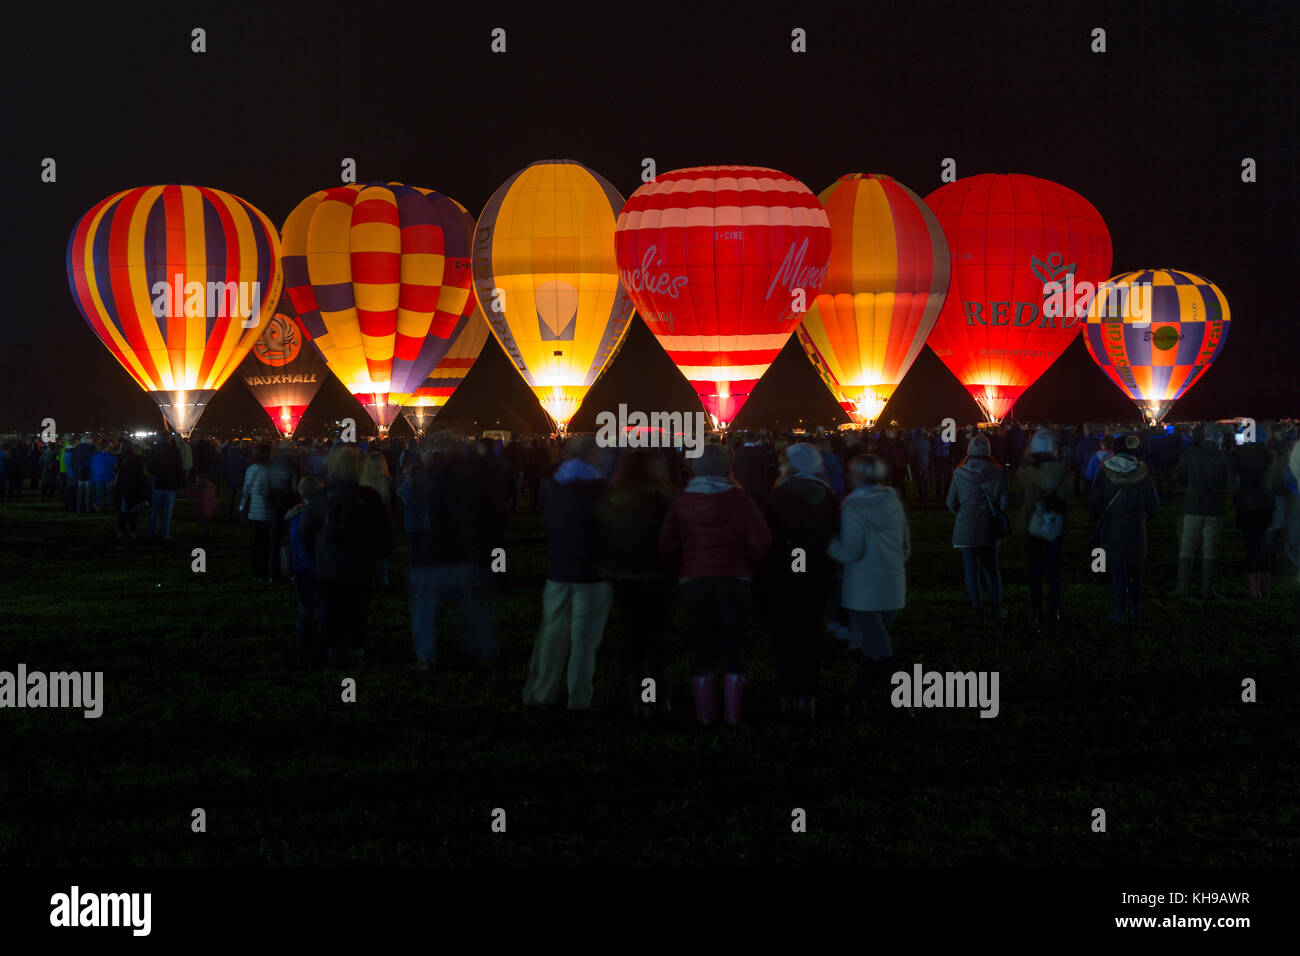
(1154, 333)
(379, 275)
(884, 287)
(712, 256)
(546, 280)
(284, 370)
(1009, 236)
(466, 344)
(178, 282)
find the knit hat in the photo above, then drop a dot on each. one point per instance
(804, 459)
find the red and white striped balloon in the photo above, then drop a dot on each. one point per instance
(714, 258)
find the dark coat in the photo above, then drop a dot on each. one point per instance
(166, 467)
(801, 513)
(975, 526)
(1205, 471)
(347, 550)
(1256, 474)
(749, 465)
(718, 534)
(450, 503)
(130, 486)
(572, 536)
(1122, 503)
(629, 520)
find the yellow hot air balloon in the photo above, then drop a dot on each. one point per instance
(884, 288)
(546, 280)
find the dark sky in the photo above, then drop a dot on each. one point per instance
(1152, 132)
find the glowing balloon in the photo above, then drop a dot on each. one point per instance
(380, 277)
(1009, 236)
(715, 258)
(466, 344)
(1154, 333)
(884, 287)
(284, 370)
(545, 277)
(178, 282)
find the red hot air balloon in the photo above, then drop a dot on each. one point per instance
(1010, 236)
(284, 370)
(713, 257)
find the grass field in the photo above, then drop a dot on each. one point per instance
(203, 708)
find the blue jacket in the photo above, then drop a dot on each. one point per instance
(102, 466)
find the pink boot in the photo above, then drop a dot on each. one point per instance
(732, 684)
(702, 690)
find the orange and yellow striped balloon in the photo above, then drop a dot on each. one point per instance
(178, 282)
(886, 283)
(466, 344)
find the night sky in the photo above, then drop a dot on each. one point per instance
(1152, 132)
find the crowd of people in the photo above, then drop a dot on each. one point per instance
(808, 530)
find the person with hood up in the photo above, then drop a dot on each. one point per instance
(576, 599)
(130, 491)
(1121, 501)
(873, 545)
(1041, 481)
(630, 515)
(978, 497)
(1204, 470)
(716, 538)
(803, 514)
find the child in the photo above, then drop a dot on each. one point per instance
(204, 494)
(304, 576)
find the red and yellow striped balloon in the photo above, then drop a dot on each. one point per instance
(466, 344)
(713, 256)
(380, 276)
(884, 288)
(178, 282)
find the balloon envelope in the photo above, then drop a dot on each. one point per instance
(284, 370)
(379, 275)
(712, 257)
(546, 280)
(884, 287)
(178, 282)
(1154, 333)
(1009, 235)
(466, 344)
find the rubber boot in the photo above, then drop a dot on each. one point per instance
(1252, 582)
(1209, 570)
(1184, 575)
(702, 691)
(732, 687)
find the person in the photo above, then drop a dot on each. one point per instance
(102, 468)
(347, 531)
(67, 476)
(576, 599)
(1041, 483)
(166, 469)
(256, 501)
(130, 491)
(940, 464)
(1105, 448)
(918, 459)
(1085, 448)
(1121, 500)
(1203, 470)
(978, 488)
(204, 493)
(304, 575)
(375, 476)
(629, 515)
(439, 495)
(873, 545)
(49, 471)
(716, 538)
(1255, 469)
(802, 514)
(82, 456)
(750, 467)
(234, 466)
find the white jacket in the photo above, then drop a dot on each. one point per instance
(873, 545)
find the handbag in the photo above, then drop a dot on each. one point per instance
(1004, 526)
(1047, 521)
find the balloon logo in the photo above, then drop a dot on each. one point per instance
(1165, 338)
(280, 343)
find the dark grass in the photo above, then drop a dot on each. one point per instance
(204, 709)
